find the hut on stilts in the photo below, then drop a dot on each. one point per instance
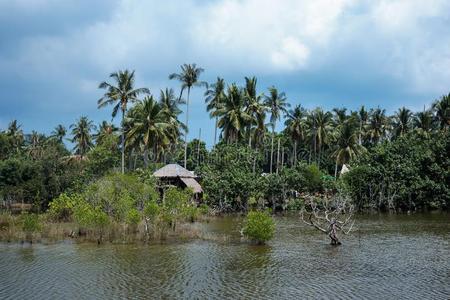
(176, 175)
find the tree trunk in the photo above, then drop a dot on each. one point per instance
(123, 142)
(187, 128)
(215, 131)
(271, 150)
(145, 157)
(333, 235)
(278, 155)
(198, 146)
(295, 153)
(335, 170)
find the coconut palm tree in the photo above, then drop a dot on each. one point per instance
(347, 146)
(36, 144)
(81, 132)
(120, 95)
(277, 104)
(296, 127)
(59, 133)
(340, 116)
(148, 124)
(402, 121)
(377, 126)
(15, 132)
(363, 116)
(256, 109)
(232, 115)
(215, 94)
(104, 130)
(423, 122)
(323, 121)
(442, 110)
(189, 78)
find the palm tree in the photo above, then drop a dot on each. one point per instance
(189, 78)
(423, 121)
(277, 103)
(377, 126)
(323, 129)
(82, 138)
(442, 109)
(363, 116)
(59, 133)
(340, 116)
(36, 147)
(170, 103)
(119, 95)
(256, 109)
(296, 126)
(148, 123)
(104, 131)
(402, 121)
(347, 146)
(15, 132)
(214, 99)
(232, 115)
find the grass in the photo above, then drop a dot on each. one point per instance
(12, 230)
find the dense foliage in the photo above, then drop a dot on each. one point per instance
(396, 162)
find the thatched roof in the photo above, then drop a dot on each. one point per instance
(174, 170)
(193, 184)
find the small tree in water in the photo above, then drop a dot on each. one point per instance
(329, 215)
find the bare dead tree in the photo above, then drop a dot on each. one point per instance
(329, 215)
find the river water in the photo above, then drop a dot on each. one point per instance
(389, 257)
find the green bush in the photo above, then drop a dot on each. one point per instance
(61, 208)
(259, 226)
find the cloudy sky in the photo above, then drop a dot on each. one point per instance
(329, 53)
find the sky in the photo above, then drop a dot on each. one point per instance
(328, 53)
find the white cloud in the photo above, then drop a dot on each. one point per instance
(291, 55)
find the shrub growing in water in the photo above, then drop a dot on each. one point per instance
(259, 226)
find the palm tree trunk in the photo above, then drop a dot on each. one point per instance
(271, 150)
(123, 142)
(215, 131)
(145, 157)
(295, 152)
(360, 132)
(187, 128)
(335, 170)
(278, 155)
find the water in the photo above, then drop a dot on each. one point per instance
(390, 257)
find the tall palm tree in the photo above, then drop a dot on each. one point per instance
(189, 78)
(347, 146)
(59, 133)
(323, 122)
(232, 115)
(363, 116)
(377, 126)
(214, 100)
(296, 127)
(442, 110)
(119, 95)
(340, 116)
(256, 109)
(402, 121)
(82, 137)
(277, 103)
(148, 123)
(170, 103)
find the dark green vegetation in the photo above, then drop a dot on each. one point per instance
(396, 162)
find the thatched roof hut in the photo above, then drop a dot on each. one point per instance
(179, 176)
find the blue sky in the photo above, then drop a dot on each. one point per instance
(329, 53)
